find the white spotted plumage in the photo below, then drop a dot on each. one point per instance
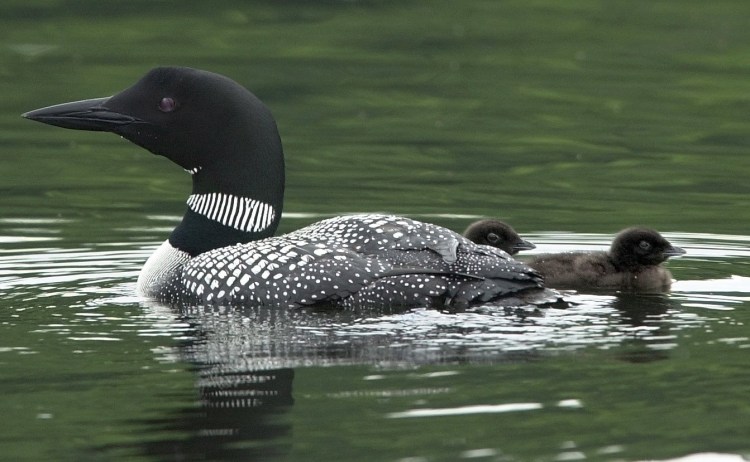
(352, 261)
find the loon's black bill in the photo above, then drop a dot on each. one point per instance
(523, 245)
(89, 114)
(674, 252)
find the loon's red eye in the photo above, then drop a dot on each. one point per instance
(167, 104)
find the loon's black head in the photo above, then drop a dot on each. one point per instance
(498, 234)
(212, 127)
(181, 113)
(635, 247)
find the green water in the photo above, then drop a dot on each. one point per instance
(569, 119)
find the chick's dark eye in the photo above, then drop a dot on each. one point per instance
(644, 245)
(167, 104)
(493, 238)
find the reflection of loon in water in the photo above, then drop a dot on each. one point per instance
(643, 311)
(241, 403)
(236, 408)
(245, 360)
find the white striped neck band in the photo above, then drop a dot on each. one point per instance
(242, 213)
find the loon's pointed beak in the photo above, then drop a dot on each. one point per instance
(89, 114)
(523, 245)
(674, 252)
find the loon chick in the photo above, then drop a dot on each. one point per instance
(499, 234)
(632, 263)
(222, 251)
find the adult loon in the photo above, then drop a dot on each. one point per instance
(497, 234)
(222, 252)
(633, 263)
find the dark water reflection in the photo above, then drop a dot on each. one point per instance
(239, 417)
(260, 338)
(245, 360)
